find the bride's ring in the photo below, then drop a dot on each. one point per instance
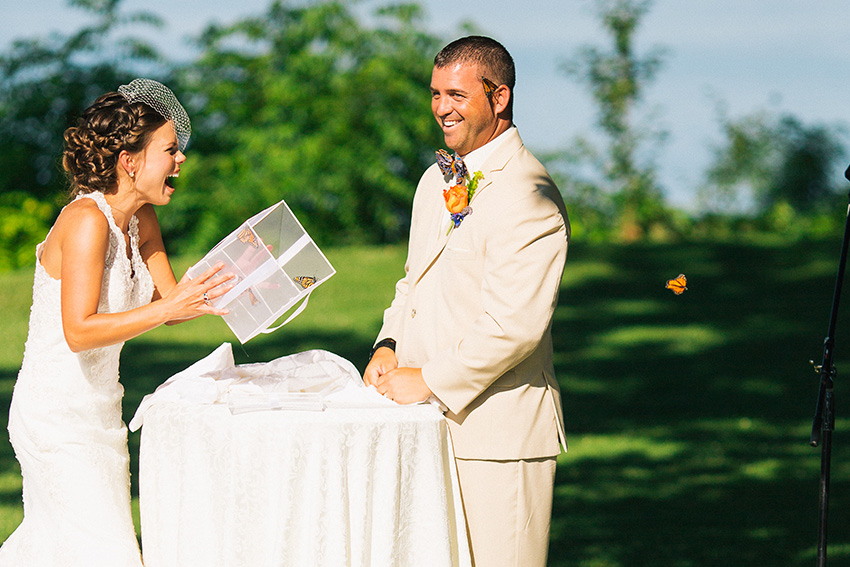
(206, 298)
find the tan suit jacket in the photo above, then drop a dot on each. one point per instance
(474, 309)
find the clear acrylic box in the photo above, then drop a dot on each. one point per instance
(276, 265)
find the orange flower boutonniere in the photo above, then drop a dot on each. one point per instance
(460, 194)
(458, 197)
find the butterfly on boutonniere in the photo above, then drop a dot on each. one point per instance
(452, 165)
(459, 195)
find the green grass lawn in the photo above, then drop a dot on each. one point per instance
(688, 416)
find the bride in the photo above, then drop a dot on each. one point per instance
(101, 277)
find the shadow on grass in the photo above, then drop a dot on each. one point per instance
(690, 416)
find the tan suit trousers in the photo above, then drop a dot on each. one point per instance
(508, 508)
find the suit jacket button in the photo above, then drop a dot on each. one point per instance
(412, 313)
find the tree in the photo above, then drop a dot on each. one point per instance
(308, 105)
(806, 177)
(44, 85)
(767, 161)
(617, 79)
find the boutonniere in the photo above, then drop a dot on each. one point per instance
(458, 197)
(460, 194)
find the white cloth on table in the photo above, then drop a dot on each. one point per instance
(312, 379)
(365, 482)
(361, 487)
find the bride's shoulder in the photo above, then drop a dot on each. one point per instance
(80, 226)
(81, 221)
(85, 212)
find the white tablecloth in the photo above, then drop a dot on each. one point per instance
(341, 487)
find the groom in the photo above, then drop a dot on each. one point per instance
(470, 323)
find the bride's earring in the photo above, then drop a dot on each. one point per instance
(132, 174)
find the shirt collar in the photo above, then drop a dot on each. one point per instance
(475, 159)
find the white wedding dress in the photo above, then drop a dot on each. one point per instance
(65, 425)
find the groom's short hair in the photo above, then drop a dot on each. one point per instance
(489, 55)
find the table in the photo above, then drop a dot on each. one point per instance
(340, 487)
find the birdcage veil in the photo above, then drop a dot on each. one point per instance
(161, 99)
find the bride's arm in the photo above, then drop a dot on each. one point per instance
(153, 252)
(84, 240)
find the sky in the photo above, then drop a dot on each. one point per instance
(780, 56)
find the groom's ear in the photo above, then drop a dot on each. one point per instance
(500, 98)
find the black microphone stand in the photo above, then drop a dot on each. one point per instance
(824, 422)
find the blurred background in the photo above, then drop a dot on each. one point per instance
(701, 138)
(660, 119)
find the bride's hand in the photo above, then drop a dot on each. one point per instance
(192, 298)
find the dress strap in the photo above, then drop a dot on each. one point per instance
(100, 199)
(133, 231)
(118, 245)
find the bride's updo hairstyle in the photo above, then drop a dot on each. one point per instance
(118, 121)
(105, 129)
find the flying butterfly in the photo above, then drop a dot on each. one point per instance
(489, 87)
(677, 285)
(451, 165)
(247, 236)
(305, 281)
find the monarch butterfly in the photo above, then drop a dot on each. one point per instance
(677, 285)
(247, 236)
(451, 165)
(489, 87)
(305, 281)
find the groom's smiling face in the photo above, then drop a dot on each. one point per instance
(461, 107)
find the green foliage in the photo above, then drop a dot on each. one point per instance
(46, 83)
(24, 221)
(309, 105)
(775, 166)
(617, 79)
(593, 214)
(44, 86)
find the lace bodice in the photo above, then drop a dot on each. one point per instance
(126, 284)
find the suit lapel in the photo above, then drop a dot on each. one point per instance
(497, 161)
(491, 168)
(438, 235)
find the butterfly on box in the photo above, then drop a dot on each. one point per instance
(677, 285)
(247, 236)
(305, 281)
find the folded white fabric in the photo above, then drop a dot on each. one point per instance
(354, 396)
(307, 380)
(194, 384)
